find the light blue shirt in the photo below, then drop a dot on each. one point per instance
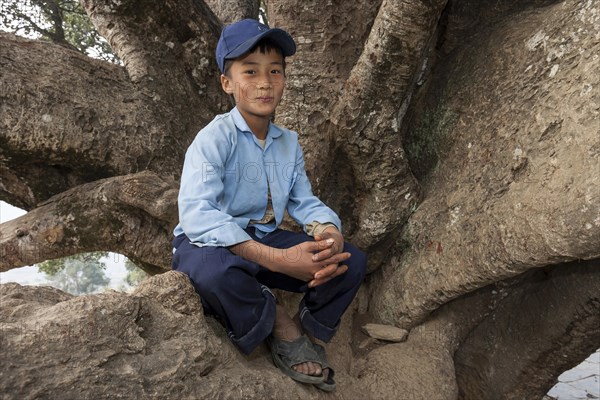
(225, 181)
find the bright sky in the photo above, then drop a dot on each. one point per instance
(8, 212)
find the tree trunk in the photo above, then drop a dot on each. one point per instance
(458, 141)
(231, 11)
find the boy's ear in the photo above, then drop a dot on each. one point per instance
(227, 84)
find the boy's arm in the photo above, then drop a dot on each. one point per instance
(201, 189)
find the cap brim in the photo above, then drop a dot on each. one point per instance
(279, 36)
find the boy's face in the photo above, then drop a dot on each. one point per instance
(256, 81)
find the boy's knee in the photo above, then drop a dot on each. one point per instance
(206, 284)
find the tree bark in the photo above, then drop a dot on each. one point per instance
(509, 196)
(120, 121)
(329, 38)
(519, 354)
(58, 128)
(232, 11)
(383, 77)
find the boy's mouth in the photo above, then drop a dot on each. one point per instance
(265, 99)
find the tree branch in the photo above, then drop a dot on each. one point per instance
(132, 215)
(329, 38)
(345, 57)
(493, 348)
(167, 49)
(32, 24)
(232, 11)
(445, 264)
(379, 86)
(67, 119)
(55, 14)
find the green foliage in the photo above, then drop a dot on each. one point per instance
(79, 274)
(80, 32)
(60, 21)
(52, 267)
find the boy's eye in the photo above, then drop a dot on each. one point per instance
(250, 72)
(276, 71)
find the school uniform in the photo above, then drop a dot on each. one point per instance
(236, 188)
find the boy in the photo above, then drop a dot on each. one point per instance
(239, 176)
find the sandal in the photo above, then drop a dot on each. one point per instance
(286, 354)
(329, 384)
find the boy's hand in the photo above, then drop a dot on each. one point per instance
(330, 232)
(326, 274)
(298, 261)
(331, 270)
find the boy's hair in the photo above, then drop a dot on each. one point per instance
(265, 46)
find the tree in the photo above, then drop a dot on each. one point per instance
(487, 249)
(135, 275)
(79, 274)
(63, 22)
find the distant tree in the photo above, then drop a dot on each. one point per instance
(63, 22)
(135, 275)
(79, 274)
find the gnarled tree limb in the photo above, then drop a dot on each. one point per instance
(385, 55)
(65, 119)
(546, 324)
(329, 38)
(379, 86)
(132, 215)
(70, 119)
(513, 337)
(522, 205)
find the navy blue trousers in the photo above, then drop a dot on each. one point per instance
(238, 292)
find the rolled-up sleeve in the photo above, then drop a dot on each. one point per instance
(304, 207)
(201, 191)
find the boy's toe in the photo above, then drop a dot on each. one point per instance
(316, 370)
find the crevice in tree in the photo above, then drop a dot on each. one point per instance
(341, 192)
(547, 322)
(443, 25)
(426, 121)
(146, 267)
(473, 18)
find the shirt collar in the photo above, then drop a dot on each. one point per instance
(242, 125)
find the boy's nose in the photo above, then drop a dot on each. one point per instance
(264, 85)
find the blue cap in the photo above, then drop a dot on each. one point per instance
(238, 38)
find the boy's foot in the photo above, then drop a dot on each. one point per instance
(313, 339)
(320, 343)
(287, 330)
(328, 384)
